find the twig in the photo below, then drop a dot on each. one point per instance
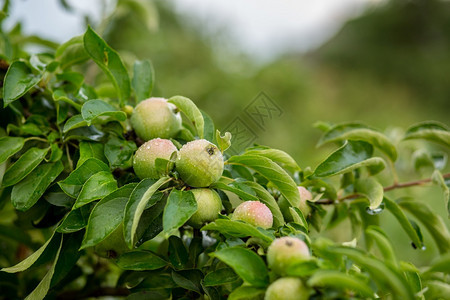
(386, 189)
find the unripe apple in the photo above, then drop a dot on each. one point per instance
(305, 196)
(209, 206)
(155, 117)
(145, 157)
(286, 251)
(113, 245)
(255, 213)
(199, 163)
(287, 288)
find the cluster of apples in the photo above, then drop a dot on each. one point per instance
(200, 163)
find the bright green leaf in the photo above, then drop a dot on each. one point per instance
(143, 79)
(19, 79)
(9, 146)
(180, 207)
(191, 111)
(371, 189)
(431, 131)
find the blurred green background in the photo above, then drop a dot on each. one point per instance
(388, 67)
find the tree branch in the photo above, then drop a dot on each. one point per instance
(386, 189)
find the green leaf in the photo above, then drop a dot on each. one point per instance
(384, 245)
(60, 95)
(223, 142)
(24, 165)
(143, 79)
(371, 189)
(246, 292)
(109, 61)
(431, 131)
(278, 156)
(75, 220)
(272, 172)
(9, 146)
(341, 281)
(360, 132)
(180, 207)
(236, 188)
(178, 254)
(188, 279)
(71, 52)
(27, 192)
(441, 264)
(298, 217)
(106, 216)
(352, 155)
(19, 79)
(95, 111)
(247, 264)
(437, 289)
(209, 129)
(140, 261)
(30, 260)
(433, 222)
(239, 229)
(220, 276)
(381, 273)
(75, 181)
(91, 150)
(138, 201)
(96, 187)
(42, 289)
(120, 152)
(404, 222)
(55, 154)
(439, 179)
(191, 111)
(265, 197)
(74, 122)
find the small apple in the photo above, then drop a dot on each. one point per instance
(199, 163)
(208, 207)
(287, 288)
(155, 117)
(286, 251)
(145, 157)
(255, 213)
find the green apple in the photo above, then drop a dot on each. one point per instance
(287, 288)
(199, 163)
(145, 157)
(255, 213)
(155, 117)
(113, 245)
(286, 251)
(209, 206)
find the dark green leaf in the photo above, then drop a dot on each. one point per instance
(352, 155)
(247, 264)
(75, 181)
(120, 152)
(178, 254)
(55, 153)
(220, 276)
(19, 79)
(191, 111)
(27, 192)
(143, 79)
(138, 201)
(109, 61)
(140, 261)
(9, 146)
(75, 220)
(74, 122)
(180, 207)
(91, 150)
(24, 165)
(272, 172)
(96, 187)
(189, 279)
(237, 188)
(106, 216)
(71, 52)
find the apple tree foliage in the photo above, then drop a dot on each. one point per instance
(69, 195)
